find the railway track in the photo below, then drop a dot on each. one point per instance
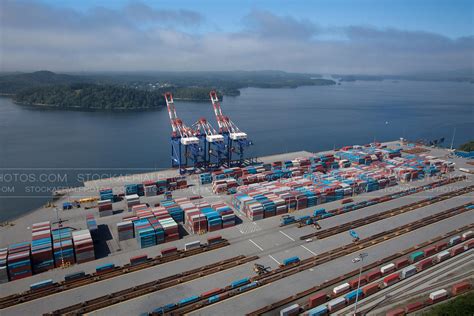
(62, 286)
(385, 198)
(153, 286)
(386, 214)
(306, 264)
(433, 185)
(415, 281)
(326, 284)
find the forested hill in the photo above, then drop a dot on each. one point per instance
(103, 97)
(129, 91)
(13, 83)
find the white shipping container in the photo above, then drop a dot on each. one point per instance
(436, 295)
(467, 235)
(192, 245)
(387, 268)
(443, 256)
(290, 310)
(341, 288)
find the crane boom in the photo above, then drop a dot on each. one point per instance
(225, 123)
(186, 134)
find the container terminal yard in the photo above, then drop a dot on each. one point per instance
(386, 228)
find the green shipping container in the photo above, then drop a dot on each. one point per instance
(416, 256)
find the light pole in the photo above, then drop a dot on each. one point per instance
(358, 259)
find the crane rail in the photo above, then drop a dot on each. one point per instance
(87, 279)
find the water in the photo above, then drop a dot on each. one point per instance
(64, 146)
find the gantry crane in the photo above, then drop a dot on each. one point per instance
(235, 139)
(213, 143)
(182, 135)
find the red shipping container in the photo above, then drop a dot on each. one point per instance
(374, 275)
(460, 288)
(391, 279)
(211, 292)
(414, 307)
(402, 263)
(353, 283)
(441, 246)
(168, 251)
(424, 264)
(457, 250)
(430, 251)
(370, 289)
(317, 299)
(469, 244)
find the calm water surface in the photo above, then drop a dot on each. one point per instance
(33, 142)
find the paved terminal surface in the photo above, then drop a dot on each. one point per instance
(277, 245)
(244, 232)
(263, 238)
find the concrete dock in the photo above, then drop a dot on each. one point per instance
(264, 238)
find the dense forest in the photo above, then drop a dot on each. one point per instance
(131, 91)
(103, 97)
(469, 146)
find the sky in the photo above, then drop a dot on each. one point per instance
(320, 36)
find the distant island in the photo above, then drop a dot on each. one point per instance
(139, 91)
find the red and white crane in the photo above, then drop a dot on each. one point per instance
(224, 122)
(203, 127)
(186, 134)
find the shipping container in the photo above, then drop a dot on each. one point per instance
(317, 299)
(417, 256)
(351, 297)
(443, 255)
(467, 235)
(438, 295)
(342, 288)
(430, 251)
(460, 288)
(318, 311)
(41, 284)
(291, 260)
(336, 304)
(374, 275)
(424, 264)
(387, 268)
(291, 310)
(457, 250)
(239, 283)
(402, 263)
(410, 308)
(192, 245)
(371, 289)
(455, 240)
(441, 246)
(391, 279)
(408, 272)
(74, 276)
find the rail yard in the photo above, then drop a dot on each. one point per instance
(409, 239)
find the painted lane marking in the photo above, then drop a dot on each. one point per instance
(291, 238)
(314, 253)
(271, 257)
(253, 242)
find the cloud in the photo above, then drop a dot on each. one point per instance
(269, 25)
(137, 37)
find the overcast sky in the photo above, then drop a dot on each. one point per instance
(363, 37)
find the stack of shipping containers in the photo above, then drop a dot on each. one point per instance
(19, 261)
(41, 247)
(3, 265)
(63, 246)
(83, 246)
